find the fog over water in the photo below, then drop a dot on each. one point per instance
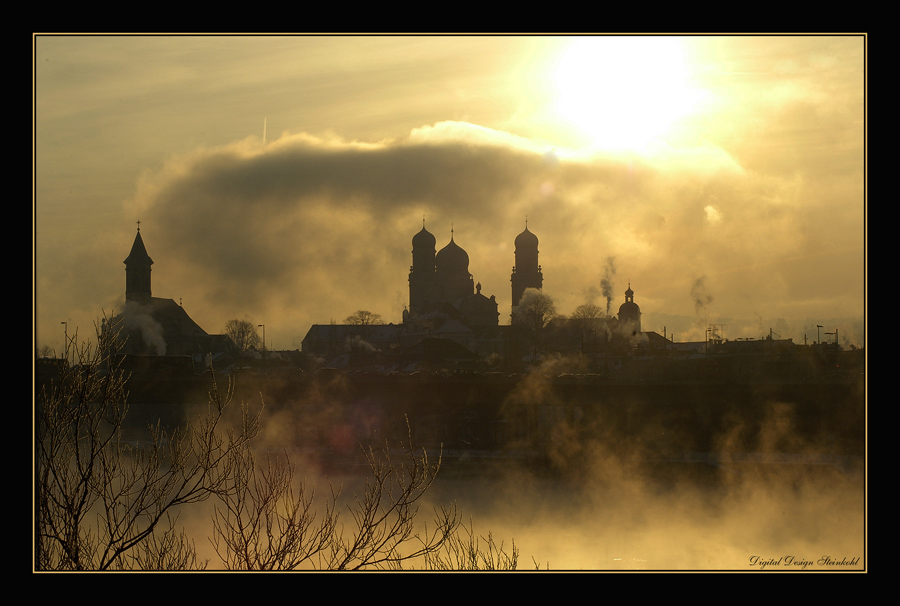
(616, 519)
(602, 503)
(619, 520)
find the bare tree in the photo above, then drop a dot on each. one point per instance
(105, 504)
(532, 315)
(464, 550)
(384, 516)
(265, 525)
(99, 500)
(244, 334)
(587, 323)
(363, 318)
(45, 352)
(535, 310)
(586, 313)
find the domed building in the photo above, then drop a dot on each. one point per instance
(437, 278)
(630, 315)
(443, 297)
(451, 265)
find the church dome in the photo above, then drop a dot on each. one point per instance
(526, 240)
(629, 309)
(424, 240)
(452, 259)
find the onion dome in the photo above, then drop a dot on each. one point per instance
(424, 240)
(526, 240)
(629, 309)
(452, 259)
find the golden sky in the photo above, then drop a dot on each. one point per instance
(281, 179)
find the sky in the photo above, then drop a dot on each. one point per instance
(280, 179)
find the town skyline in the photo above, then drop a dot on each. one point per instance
(281, 179)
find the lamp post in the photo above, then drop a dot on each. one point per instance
(263, 326)
(65, 339)
(818, 326)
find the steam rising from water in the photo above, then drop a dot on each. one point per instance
(605, 501)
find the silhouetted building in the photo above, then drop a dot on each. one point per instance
(155, 326)
(526, 273)
(333, 339)
(630, 315)
(423, 285)
(444, 300)
(443, 277)
(137, 272)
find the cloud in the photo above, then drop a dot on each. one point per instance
(313, 228)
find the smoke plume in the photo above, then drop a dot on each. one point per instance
(700, 296)
(138, 318)
(606, 282)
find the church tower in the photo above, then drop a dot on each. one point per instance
(137, 271)
(526, 272)
(630, 315)
(422, 276)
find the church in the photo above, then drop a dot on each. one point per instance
(156, 326)
(445, 301)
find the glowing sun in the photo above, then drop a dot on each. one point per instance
(623, 92)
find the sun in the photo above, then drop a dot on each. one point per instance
(623, 92)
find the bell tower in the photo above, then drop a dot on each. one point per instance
(527, 272)
(630, 315)
(137, 271)
(422, 276)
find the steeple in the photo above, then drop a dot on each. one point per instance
(137, 271)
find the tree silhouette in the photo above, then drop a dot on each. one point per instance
(244, 335)
(104, 503)
(363, 318)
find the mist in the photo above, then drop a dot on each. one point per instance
(769, 496)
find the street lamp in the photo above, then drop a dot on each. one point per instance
(65, 339)
(818, 326)
(263, 326)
